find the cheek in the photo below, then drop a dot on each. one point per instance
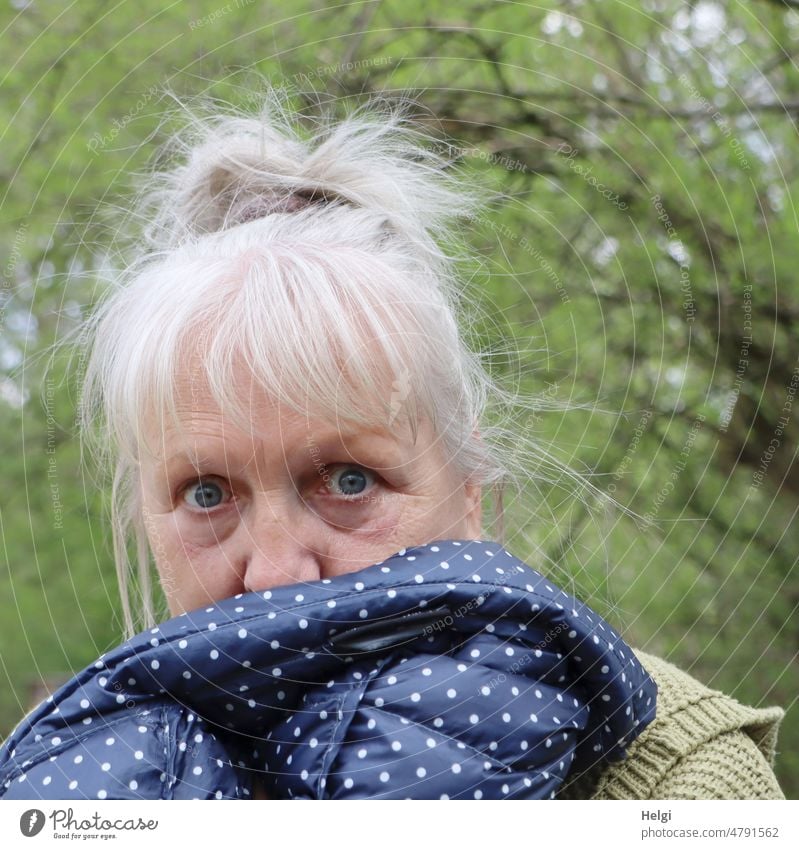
(190, 571)
(410, 520)
(197, 577)
(167, 552)
(163, 537)
(440, 514)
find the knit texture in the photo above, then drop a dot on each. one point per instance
(703, 744)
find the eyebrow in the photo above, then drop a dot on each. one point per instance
(303, 452)
(388, 445)
(173, 463)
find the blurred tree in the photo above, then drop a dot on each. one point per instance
(641, 263)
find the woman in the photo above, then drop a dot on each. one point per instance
(298, 437)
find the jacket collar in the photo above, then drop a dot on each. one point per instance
(243, 662)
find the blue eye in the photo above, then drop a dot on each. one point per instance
(349, 480)
(205, 494)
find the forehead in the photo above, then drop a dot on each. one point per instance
(199, 426)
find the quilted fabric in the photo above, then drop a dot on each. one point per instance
(449, 670)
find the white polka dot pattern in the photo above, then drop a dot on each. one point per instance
(451, 670)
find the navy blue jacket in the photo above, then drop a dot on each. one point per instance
(449, 670)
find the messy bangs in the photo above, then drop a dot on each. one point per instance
(329, 332)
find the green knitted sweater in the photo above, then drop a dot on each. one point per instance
(701, 745)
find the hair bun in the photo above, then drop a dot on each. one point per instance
(234, 167)
(237, 182)
(237, 176)
(293, 202)
(235, 198)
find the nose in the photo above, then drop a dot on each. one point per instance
(277, 551)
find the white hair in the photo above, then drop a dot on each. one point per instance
(325, 257)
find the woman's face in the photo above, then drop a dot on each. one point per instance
(227, 511)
